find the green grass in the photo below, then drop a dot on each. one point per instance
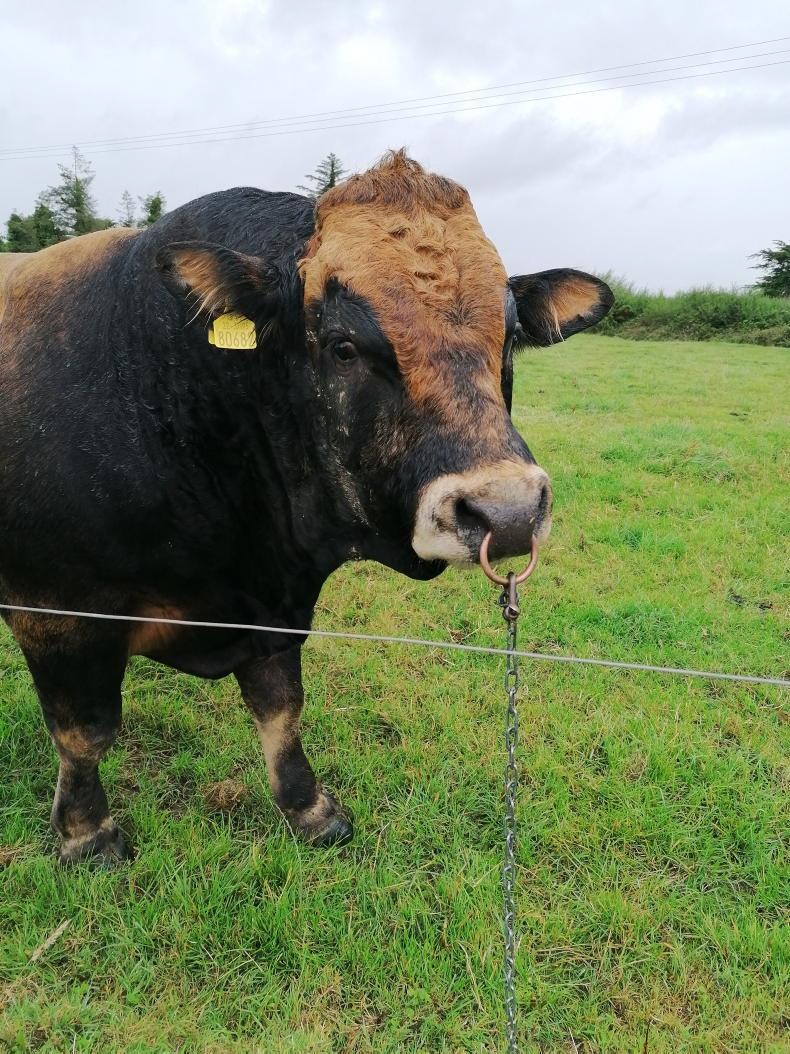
(748, 317)
(653, 810)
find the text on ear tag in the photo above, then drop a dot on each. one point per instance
(232, 331)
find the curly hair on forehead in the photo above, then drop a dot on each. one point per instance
(396, 181)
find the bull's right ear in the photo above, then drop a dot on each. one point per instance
(215, 280)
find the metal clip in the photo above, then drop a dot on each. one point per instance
(509, 599)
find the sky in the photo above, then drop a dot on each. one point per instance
(671, 185)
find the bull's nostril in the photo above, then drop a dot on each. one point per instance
(544, 503)
(468, 516)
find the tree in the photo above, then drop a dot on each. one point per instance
(127, 211)
(47, 230)
(28, 234)
(776, 265)
(71, 201)
(22, 236)
(67, 209)
(153, 208)
(328, 174)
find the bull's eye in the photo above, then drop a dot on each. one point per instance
(345, 355)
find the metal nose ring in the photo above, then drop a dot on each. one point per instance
(502, 580)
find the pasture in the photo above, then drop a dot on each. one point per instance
(653, 810)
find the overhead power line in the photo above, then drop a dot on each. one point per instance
(385, 116)
(384, 109)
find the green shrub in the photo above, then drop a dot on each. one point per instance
(700, 314)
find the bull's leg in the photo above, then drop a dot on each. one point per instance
(272, 689)
(80, 697)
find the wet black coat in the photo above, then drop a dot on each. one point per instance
(140, 467)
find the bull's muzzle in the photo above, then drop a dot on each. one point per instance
(455, 512)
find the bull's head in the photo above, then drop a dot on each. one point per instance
(410, 326)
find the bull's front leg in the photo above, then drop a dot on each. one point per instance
(272, 689)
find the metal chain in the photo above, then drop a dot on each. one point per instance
(509, 602)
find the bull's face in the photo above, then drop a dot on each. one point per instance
(410, 326)
(413, 320)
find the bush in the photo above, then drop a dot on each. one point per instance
(701, 314)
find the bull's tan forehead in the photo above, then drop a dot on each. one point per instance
(435, 281)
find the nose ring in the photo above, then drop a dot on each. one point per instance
(502, 580)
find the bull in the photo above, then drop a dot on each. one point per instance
(148, 471)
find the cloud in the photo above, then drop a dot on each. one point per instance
(637, 180)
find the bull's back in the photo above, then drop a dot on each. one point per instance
(38, 286)
(8, 263)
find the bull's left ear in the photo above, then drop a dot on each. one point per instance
(217, 279)
(553, 305)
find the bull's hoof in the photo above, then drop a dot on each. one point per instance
(105, 847)
(323, 824)
(338, 831)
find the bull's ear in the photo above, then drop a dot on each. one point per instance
(553, 305)
(215, 279)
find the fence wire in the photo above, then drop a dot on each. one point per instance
(380, 638)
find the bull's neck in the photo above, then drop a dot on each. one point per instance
(231, 424)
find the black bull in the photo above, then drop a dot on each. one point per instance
(144, 471)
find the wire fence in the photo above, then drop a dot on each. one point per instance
(380, 638)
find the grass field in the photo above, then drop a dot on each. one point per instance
(654, 811)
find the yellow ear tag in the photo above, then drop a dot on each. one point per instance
(232, 331)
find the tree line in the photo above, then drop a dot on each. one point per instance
(68, 208)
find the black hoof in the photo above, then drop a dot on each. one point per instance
(106, 848)
(323, 824)
(337, 831)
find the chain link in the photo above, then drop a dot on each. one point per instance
(509, 602)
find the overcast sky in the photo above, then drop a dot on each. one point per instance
(671, 184)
